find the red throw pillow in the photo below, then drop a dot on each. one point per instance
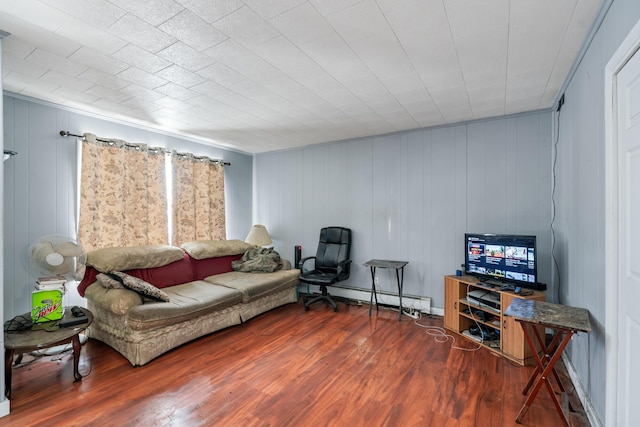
(210, 266)
(176, 273)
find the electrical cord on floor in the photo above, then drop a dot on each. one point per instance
(440, 335)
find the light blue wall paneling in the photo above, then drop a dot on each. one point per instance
(40, 183)
(580, 198)
(412, 195)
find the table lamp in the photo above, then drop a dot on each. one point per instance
(258, 236)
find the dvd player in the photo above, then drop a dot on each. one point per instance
(484, 298)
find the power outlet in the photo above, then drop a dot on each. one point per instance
(411, 313)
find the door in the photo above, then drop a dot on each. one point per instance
(628, 124)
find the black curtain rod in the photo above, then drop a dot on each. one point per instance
(66, 133)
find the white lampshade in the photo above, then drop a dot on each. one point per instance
(258, 236)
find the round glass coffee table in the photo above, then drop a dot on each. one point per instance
(44, 335)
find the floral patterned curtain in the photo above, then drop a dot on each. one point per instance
(198, 199)
(123, 200)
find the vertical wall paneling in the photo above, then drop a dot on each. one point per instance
(498, 199)
(412, 195)
(414, 177)
(461, 198)
(360, 170)
(477, 177)
(580, 200)
(443, 207)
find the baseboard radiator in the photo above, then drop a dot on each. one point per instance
(418, 303)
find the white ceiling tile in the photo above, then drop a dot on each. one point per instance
(570, 46)
(246, 27)
(141, 78)
(74, 97)
(176, 92)
(264, 96)
(14, 81)
(140, 95)
(96, 59)
(173, 103)
(22, 83)
(302, 24)
(221, 74)
(17, 47)
(110, 95)
(247, 63)
(136, 31)
(65, 81)
(294, 63)
(140, 58)
(55, 62)
(103, 79)
(192, 30)
(327, 7)
(91, 37)
(212, 11)
(180, 76)
(22, 67)
(267, 9)
(185, 56)
(99, 13)
(336, 57)
(209, 107)
(155, 12)
(35, 36)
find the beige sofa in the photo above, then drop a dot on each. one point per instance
(204, 293)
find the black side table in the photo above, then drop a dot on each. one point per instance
(385, 263)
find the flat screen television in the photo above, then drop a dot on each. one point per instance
(502, 259)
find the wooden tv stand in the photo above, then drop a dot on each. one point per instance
(510, 341)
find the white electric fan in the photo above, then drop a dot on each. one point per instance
(55, 255)
(55, 259)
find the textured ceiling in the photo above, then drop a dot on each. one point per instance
(263, 75)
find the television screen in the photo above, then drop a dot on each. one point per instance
(507, 258)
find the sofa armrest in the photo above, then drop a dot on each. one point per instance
(118, 301)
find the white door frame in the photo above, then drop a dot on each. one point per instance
(624, 52)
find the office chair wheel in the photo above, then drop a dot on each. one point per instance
(306, 307)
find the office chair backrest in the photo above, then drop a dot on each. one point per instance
(334, 247)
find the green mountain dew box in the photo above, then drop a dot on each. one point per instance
(46, 306)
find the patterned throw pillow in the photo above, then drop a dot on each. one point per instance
(140, 286)
(109, 281)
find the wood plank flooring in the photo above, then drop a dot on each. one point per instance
(287, 367)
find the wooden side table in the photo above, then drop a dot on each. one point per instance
(23, 341)
(565, 321)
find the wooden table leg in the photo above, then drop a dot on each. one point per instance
(8, 360)
(75, 342)
(544, 374)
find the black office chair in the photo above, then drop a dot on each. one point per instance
(332, 263)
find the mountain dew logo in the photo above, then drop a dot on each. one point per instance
(47, 310)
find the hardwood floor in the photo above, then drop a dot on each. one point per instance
(287, 367)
